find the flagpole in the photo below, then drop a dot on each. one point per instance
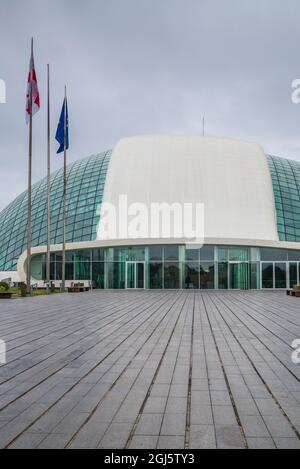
(63, 283)
(48, 181)
(29, 224)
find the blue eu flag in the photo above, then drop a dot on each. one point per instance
(61, 128)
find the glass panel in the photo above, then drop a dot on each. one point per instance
(136, 254)
(98, 255)
(119, 275)
(192, 254)
(98, 275)
(267, 275)
(36, 266)
(140, 270)
(238, 254)
(191, 275)
(82, 256)
(207, 253)
(130, 275)
(280, 275)
(294, 255)
(155, 275)
(121, 255)
(222, 254)
(155, 253)
(239, 276)
(109, 273)
(223, 276)
(269, 254)
(171, 253)
(255, 275)
(82, 271)
(293, 274)
(52, 271)
(207, 275)
(255, 254)
(171, 275)
(70, 271)
(58, 270)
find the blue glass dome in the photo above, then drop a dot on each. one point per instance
(286, 185)
(86, 180)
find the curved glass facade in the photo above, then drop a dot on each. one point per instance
(86, 180)
(286, 184)
(176, 267)
(219, 268)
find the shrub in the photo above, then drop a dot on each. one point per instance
(4, 287)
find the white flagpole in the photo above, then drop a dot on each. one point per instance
(29, 223)
(48, 181)
(63, 283)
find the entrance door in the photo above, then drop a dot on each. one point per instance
(239, 276)
(135, 275)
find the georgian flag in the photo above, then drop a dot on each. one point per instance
(32, 90)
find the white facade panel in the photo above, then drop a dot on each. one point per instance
(230, 177)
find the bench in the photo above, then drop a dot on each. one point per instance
(294, 291)
(78, 288)
(5, 295)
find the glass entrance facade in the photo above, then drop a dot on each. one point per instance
(176, 267)
(135, 275)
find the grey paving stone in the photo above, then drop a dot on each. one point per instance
(173, 424)
(229, 437)
(287, 443)
(202, 437)
(279, 427)
(149, 424)
(54, 442)
(246, 407)
(116, 436)
(28, 441)
(155, 405)
(254, 427)
(260, 443)
(224, 415)
(170, 442)
(176, 405)
(143, 442)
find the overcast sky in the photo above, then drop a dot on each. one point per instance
(148, 66)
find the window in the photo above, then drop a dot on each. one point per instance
(155, 275)
(280, 275)
(223, 276)
(207, 275)
(191, 275)
(267, 275)
(171, 275)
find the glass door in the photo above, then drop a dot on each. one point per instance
(135, 275)
(239, 276)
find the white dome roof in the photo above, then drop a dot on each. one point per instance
(230, 177)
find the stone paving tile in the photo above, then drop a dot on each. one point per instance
(202, 437)
(165, 369)
(261, 443)
(149, 424)
(143, 442)
(171, 442)
(155, 405)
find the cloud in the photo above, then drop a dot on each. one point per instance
(135, 67)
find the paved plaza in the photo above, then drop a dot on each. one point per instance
(150, 369)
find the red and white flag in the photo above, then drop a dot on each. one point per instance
(32, 96)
